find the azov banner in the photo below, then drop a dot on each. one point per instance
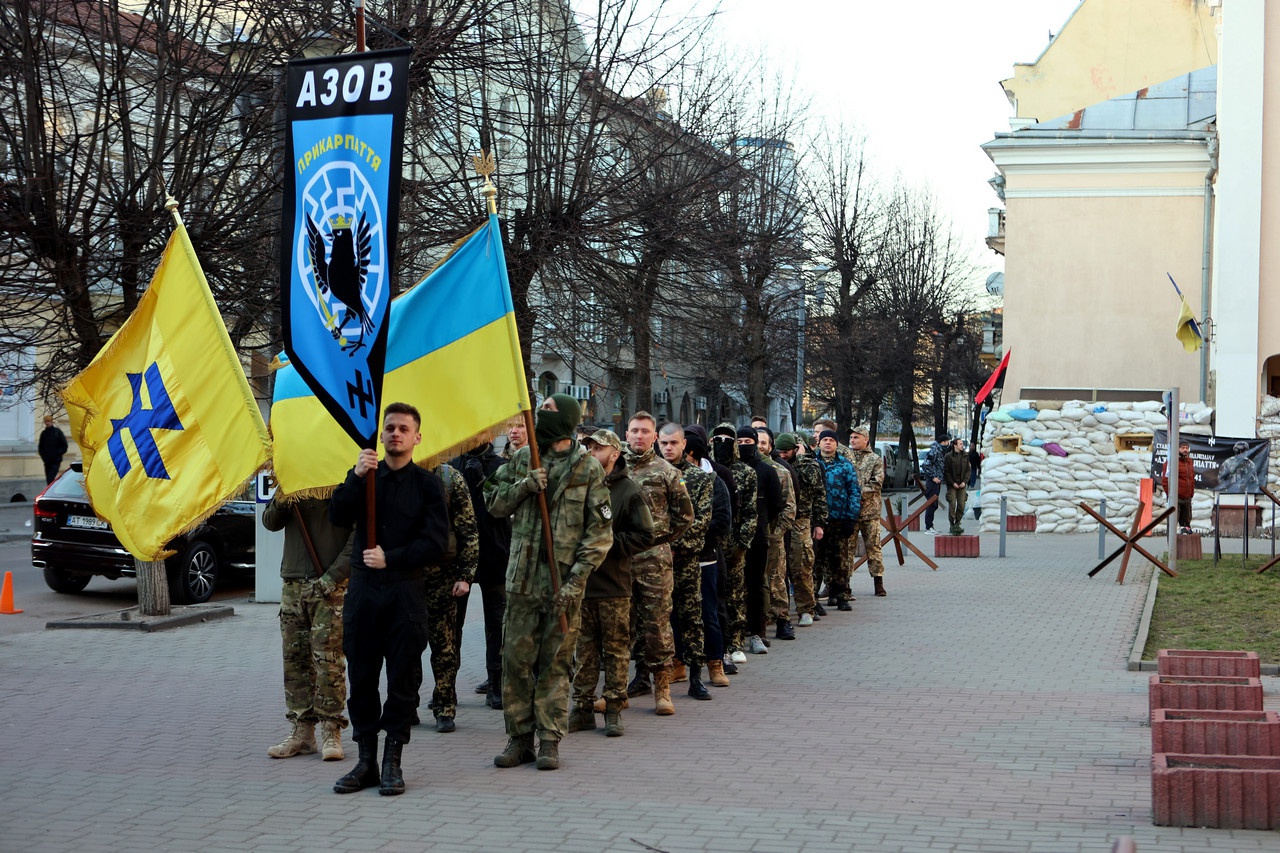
(343, 141)
(1223, 464)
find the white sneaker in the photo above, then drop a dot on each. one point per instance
(738, 656)
(929, 531)
(805, 620)
(756, 646)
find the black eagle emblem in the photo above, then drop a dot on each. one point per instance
(344, 273)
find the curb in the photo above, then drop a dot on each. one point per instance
(124, 620)
(1136, 663)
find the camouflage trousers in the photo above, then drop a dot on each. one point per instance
(829, 562)
(652, 584)
(734, 596)
(605, 635)
(800, 565)
(536, 659)
(686, 608)
(315, 679)
(445, 641)
(869, 529)
(777, 594)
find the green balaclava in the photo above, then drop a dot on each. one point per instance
(551, 427)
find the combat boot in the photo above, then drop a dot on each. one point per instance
(716, 674)
(331, 741)
(392, 781)
(662, 705)
(679, 672)
(613, 719)
(879, 582)
(301, 741)
(582, 718)
(365, 773)
(549, 754)
(493, 696)
(519, 751)
(639, 685)
(697, 689)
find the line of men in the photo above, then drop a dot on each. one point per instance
(678, 549)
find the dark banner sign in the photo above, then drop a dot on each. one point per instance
(344, 138)
(1223, 464)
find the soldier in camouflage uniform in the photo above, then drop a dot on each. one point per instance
(848, 544)
(811, 518)
(724, 448)
(605, 639)
(870, 468)
(651, 571)
(315, 686)
(686, 596)
(777, 598)
(537, 653)
(444, 585)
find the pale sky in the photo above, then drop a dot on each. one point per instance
(920, 77)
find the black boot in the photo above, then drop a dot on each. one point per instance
(494, 697)
(818, 610)
(843, 604)
(879, 582)
(786, 631)
(365, 773)
(639, 685)
(484, 686)
(697, 689)
(392, 781)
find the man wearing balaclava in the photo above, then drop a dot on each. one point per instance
(652, 577)
(770, 504)
(537, 653)
(724, 449)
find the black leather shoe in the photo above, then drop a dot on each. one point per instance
(392, 781)
(818, 610)
(494, 699)
(483, 687)
(844, 605)
(365, 773)
(444, 725)
(786, 631)
(730, 668)
(697, 689)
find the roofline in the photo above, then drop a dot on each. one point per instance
(1008, 139)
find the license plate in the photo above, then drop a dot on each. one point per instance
(88, 522)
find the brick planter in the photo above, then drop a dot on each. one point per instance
(914, 525)
(955, 546)
(1189, 547)
(1205, 692)
(1217, 791)
(1215, 732)
(1187, 662)
(1020, 523)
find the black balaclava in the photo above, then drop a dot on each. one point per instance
(551, 427)
(725, 452)
(749, 453)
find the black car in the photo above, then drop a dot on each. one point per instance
(71, 544)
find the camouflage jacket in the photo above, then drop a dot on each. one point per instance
(701, 487)
(784, 521)
(464, 535)
(581, 517)
(664, 491)
(870, 468)
(811, 500)
(744, 523)
(332, 543)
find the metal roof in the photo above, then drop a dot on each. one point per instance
(1186, 102)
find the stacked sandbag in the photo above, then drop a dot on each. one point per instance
(1040, 480)
(1269, 427)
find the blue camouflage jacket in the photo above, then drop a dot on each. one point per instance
(844, 497)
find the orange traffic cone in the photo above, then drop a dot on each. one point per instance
(6, 595)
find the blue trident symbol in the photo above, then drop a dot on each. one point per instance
(140, 422)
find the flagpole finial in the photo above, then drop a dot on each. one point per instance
(171, 205)
(485, 165)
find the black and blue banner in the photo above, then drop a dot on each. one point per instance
(343, 142)
(1230, 466)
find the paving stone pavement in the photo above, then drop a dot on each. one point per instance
(984, 707)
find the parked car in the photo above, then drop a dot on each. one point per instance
(72, 545)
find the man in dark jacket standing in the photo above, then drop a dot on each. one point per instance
(385, 611)
(491, 570)
(770, 505)
(52, 447)
(956, 471)
(606, 609)
(1186, 485)
(931, 471)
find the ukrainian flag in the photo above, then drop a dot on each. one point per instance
(1188, 330)
(452, 351)
(166, 422)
